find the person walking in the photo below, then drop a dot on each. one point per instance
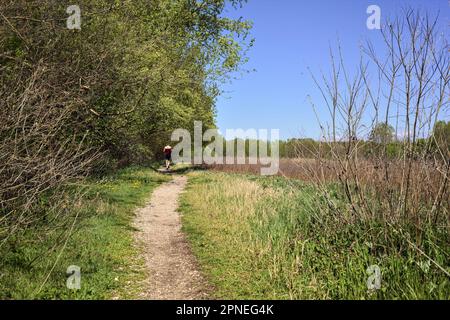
(168, 156)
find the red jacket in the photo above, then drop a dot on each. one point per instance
(167, 151)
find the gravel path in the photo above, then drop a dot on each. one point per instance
(173, 272)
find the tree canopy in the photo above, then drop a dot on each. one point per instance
(110, 93)
(382, 133)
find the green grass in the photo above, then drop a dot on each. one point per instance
(272, 238)
(101, 244)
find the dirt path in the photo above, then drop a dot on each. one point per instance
(173, 273)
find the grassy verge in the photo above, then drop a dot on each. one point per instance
(266, 238)
(101, 244)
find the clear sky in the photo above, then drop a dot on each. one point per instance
(292, 35)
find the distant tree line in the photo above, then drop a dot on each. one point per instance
(382, 137)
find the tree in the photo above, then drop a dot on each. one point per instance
(382, 133)
(441, 136)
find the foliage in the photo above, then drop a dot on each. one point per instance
(441, 137)
(382, 133)
(105, 96)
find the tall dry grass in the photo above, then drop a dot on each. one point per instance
(266, 238)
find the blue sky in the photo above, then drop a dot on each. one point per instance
(292, 35)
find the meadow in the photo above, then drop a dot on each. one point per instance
(275, 238)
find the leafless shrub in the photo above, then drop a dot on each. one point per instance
(409, 94)
(41, 150)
